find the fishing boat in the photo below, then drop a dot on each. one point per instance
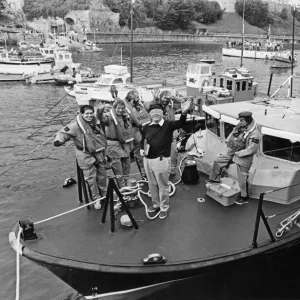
(205, 234)
(23, 64)
(62, 59)
(284, 61)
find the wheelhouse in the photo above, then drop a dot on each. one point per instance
(276, 164)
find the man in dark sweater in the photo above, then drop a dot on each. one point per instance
(156, 143)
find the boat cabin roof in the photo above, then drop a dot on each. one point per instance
(237, 74)
(282, 116)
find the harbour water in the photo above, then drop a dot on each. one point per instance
(25, 109)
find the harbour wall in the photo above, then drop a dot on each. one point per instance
(105, 38)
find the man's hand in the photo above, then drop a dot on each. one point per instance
(187, 105)
(142, 152)
(101, 109)
(57, 143)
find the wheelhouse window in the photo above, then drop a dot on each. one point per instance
(244, 85)
(118, 80)
(229, 85)
(221, 82)
(238, 86)
(281, 148)
(228, 129)
(212, 124)
(250, 84)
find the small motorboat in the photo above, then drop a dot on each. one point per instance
(89, 49)
(207, 61)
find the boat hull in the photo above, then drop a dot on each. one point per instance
(248, 53)
(89, 51)
(21, 68)
(208, 277)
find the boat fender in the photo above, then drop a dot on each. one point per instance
(154, 258)
(68, 182)
(125, 222)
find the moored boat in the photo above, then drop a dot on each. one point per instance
(24, 64)
(201, 238)
(257, 53)
(284, 61)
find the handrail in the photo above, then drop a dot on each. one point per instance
(260, 214)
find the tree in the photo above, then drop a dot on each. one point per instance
(256, 12)
(179, 15)
(284, 14)
(139, 13)
(297, 14)
(207, 11)
(114, 5)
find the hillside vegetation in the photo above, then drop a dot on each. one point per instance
(176, 14)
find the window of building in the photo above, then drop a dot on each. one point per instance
(214, 81)
(229, 85)
(238, 86)
(281, 148)
(212, 124)
(228, 129)
(244, 85)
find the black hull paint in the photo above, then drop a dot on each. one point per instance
(213, 281)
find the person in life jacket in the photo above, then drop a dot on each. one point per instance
(90, 149)
(242, 145)
(114, 92)
(139, 118)
(119, 134)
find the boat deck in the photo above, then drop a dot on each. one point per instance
(192, 232)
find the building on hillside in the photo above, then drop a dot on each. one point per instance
(15, 5)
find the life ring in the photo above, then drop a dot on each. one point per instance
(203, 83)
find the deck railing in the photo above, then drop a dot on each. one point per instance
(260, 214)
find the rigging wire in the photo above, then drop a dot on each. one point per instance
(51, 120)
(56, 103)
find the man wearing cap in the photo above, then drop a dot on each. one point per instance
(139, 118)
(169, 104)
(156, 143)
(242, 144)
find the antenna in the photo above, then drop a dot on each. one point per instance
(293, 45)
(242, 53)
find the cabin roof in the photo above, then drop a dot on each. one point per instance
(280, 115)
(238, 76)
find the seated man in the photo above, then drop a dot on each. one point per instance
(242, 144)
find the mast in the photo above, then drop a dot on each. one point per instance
(293, 44)
(242, 54)
(131, 40)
